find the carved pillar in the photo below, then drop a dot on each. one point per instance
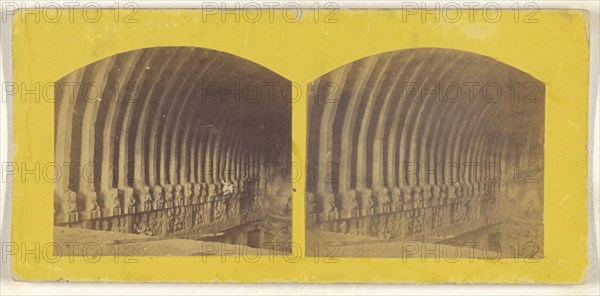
(324, 128)
(87, 105)
(352, 98)
(64, 102)
(123, 90)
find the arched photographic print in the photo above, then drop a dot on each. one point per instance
(164, 150)
(425, 152)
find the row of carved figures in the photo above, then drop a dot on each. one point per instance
(372, 201)
(407, 223)
(203, 218)
(145, 198)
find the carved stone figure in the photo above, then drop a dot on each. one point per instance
(349, 201)
(437, 196)
(470, 190)
(203, 192)
(383, 198)
(385, 233)
(396, 199)
(72, 201)
(179, 193)
(218, 188)
(367, 199)
(310, 203)
(168, 193)
(207, 212)
(112, 199)
(219, 211)
(226, 188)
(459, 190)
(417, 198)
(407, 198)
(418, 221)
(212, 190)
(199, 215)
(459, 213)
(451, 193)
(443, 194)
(235, 187)
(129, 197)
(437, 218)
(197, 188)
(427, 196)
(179, 222)
(330, 199)
(145, 194)
(158, 196)
(91, 200)
(187, 191)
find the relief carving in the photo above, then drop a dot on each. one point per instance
(145, 195)
(91, 200)
(168, 193)
(178, 194)
(111, 198)
(418, 201)
(350, 203)
(158, 197)
(129, 197)
(187, 192)
(396, 199)
(197, 188)
(367, 201)
(407, 198)
(383, 198)
(72, 201)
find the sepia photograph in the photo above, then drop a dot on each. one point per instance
(425, 152)
(173, 151)
(330, 147)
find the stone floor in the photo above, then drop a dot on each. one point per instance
(338, 245)
(77, 241)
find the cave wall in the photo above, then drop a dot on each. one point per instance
(168, 140)
(424, 143)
